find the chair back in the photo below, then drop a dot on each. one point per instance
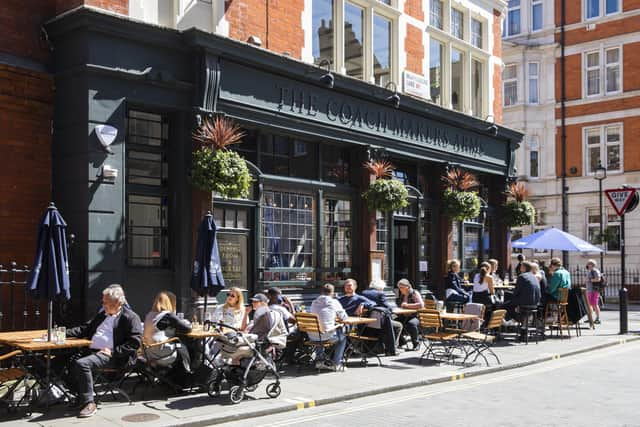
(429, 318)
(563, 295)
(495, 321)
(476, 309)
(308, 322)
(429, 303)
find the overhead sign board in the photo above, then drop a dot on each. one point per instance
(620, 198)
(415, 84)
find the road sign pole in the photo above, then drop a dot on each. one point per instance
(623, 289)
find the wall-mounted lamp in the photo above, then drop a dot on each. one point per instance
(326, 78)
(395, 98)
(106, 135)
(108, 173)
(254, 40)
(492, 128)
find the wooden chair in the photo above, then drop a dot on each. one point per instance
(433, 332)
(429, 303)
(309, 324)
(557, 311)
(482, 341)
(10, 379)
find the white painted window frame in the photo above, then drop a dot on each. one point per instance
(602, 70)
(535, 3)
(510, 80)
(602, 12)
(531, 77)
(603, 145)
(606, 67)
(507, 20)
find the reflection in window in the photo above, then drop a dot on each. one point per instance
(435, 70)
(336, 251)
(146, 190)
(335, 164)
(471, 241)
(435, 14)
(322, 31)
(382, 239)
(476, 88)
(513, 18)
(457, 28)
(353, 40)
(534, 96)
(476, 33)
(381, 50)
(456, 79)
(516, 234)
(287, 235)
(281, 155)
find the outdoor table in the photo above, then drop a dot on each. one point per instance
(357, 342)
(353, 320)
(404, 311)
(458, 316)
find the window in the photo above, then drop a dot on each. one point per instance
(603, 145)
(381, 50)
(512, 21)
(366, 31)
(534, 164)
(336, 243)
(594, 8)
(593, 73)
(436, 51)
(510, 85)
(281, 155)
(322, 31)
(457, 24)
(382, 239)
(612, 74)
(147, 190)
(435, 14)
(533, 82)
(471, 245)
(287, 236)
(610, 238)
(457, 65)
(477, 99)
(335, 164)
(536, 15)
(476, 33)
(233, 244)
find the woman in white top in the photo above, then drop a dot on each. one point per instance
(483, 287)
(232, 312)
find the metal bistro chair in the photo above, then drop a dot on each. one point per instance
(482, 341)
(154, 374)
(110, 381)
(557, 312)
(309, 324)
(433, 332)
(10, 379)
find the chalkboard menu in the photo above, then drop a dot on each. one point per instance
(233, 255)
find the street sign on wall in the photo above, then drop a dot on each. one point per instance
(620, 198)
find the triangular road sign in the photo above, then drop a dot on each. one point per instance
(620, 198)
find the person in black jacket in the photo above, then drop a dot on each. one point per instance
(527, 292)
(115, 335)
(453, 284)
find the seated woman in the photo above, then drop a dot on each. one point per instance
(411, 299)
(454, 293)
(483, 286)
(160, 324)
(232, 312)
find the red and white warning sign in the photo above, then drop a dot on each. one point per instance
(620, 198)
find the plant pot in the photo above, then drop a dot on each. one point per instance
(386, 195)
(461, 205)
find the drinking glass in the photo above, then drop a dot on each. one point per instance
(61, 335)
(466, 277)
(180, 316)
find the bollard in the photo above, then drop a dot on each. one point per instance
(624, 324)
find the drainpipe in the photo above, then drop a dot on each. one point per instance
(563, 141)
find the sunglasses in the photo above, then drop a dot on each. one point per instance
(232, 295)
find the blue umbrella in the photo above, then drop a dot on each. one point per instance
(49, 278)
(554, 239)
(206, 278)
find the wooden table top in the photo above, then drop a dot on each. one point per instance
(504, 287)
(201, 333)
(353, 320)
(458, 316)
(32, 341)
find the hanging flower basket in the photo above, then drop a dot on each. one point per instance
(385, 194)
(461, 205)
(214, 167)
(458, 202)
(517, 210)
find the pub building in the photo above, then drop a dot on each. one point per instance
(308, 134)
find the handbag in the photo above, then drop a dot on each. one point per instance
(601, 284)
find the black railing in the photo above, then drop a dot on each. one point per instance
(17, 309)
(613, 277)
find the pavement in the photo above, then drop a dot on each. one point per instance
(305, 388)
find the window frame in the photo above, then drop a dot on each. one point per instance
(602, 10)
(440, 18)
(533, 147)
(510, 80)
(534, 4)
(603, 145)
(507, 20)
(454, 25)
(537, 79)
(605, 68)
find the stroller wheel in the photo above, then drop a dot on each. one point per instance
(273, 390)
(251, 388)
(214, 388)
(236, 394)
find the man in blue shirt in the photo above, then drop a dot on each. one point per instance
(353, 303)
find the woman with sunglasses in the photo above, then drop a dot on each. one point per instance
(232, 311)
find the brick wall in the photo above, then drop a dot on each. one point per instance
(414, 8)
(25, 139)
(631, 66)
(601, 31)
(116, 6)
(573, 12)
(20, 21)
(281, 31)
(497, 69)
(573, 81)
(414, 49)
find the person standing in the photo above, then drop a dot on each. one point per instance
(594, 278)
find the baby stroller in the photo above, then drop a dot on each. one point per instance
(249, 361)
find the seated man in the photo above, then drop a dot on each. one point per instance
(393, 331)
(115, 335)
(353, 303)
(328, 309)
(526, 293)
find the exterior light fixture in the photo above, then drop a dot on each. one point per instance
(326, 78)
(106, 135)
(254, 40)
(600, 174)
(492, 128)
(395, 98)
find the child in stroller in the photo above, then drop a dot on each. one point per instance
(249, 357)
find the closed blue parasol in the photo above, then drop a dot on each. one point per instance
(50, 276)
(206, 278)
(554, 239)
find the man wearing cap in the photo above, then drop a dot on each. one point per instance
(262, 322)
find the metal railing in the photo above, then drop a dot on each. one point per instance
(17, 309)
(613, 277)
